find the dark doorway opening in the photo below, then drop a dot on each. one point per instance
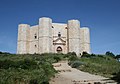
(59, 49)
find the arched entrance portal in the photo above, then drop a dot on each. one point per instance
(59, 49)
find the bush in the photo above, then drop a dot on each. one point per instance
(72, 58)
(33, 81)
(76, 64)
(117, 57)
(85, 54)
(26, 69)
(108, 53)
(117, 77)
(57, 58)
(102, 65)
(71, 53)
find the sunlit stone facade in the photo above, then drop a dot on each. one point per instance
(48, 37)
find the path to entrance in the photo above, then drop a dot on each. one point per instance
(68, 75)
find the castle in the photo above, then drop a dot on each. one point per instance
(48, 37)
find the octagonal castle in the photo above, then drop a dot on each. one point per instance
(48, 37)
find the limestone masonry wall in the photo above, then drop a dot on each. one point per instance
(33, 39)
(57, 27)
(48, 37)
(45, 35)
(23, 38)
(74, 36)
(84, 40)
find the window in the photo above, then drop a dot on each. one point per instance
(35, 36)
(52, 27)
(59, 35)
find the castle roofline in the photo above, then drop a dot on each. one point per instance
(84, 27)
(59, 23)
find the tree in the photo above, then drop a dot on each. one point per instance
(108, 53)
(71, 53)
(117, 57)
(85, 54)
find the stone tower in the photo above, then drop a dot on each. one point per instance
(48, 37)
(23, 39)
(84, 40)
(74, 36)
(45, 35)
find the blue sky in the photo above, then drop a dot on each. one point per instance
(101, 16)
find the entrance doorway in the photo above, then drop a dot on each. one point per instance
(59, 49)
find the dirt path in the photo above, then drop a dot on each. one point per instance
(68, 75)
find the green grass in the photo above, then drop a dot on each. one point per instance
(38, 69)
(27, 69)
(105, 66)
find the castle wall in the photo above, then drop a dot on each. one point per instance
(34, 39)
(43, 38)
(57, 27)
(45, 35)
(74, 36)
(23, 39)
(84, 40)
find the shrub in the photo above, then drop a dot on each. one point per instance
(71, 53)
(102, 65)
(57, 58)
(76, 64)
(33, 81)
(72, 58)
(85, 54)
(26, 69)
(117, 77)
(108, 53)
(117, 57)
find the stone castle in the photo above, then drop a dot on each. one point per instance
(48, 37)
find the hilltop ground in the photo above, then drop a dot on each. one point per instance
(38, 68)
(68, 75)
